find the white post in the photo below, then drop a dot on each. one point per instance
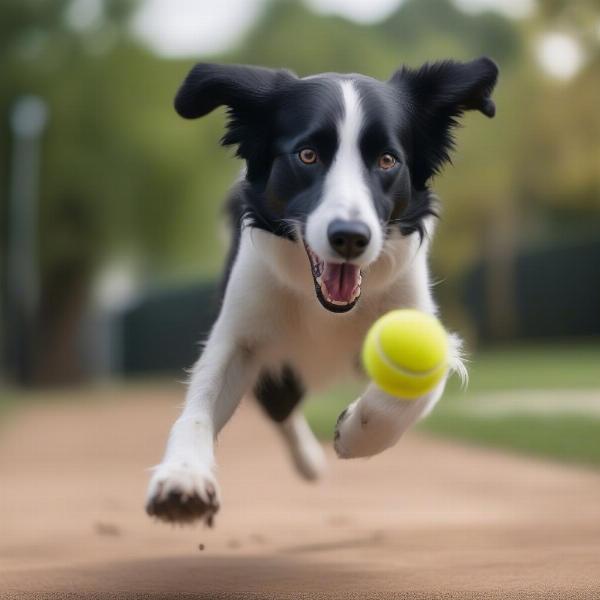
(27, 120)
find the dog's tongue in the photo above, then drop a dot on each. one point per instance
(341, 281)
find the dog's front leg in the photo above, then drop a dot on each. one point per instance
(377, 420)
(183, 487)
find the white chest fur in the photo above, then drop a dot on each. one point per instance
(273, 308)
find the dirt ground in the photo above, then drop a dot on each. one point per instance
(429, 519)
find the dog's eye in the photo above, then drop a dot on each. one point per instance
(386, 161)
(308, 156)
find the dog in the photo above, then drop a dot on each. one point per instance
(331, 221)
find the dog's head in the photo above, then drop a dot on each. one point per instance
(337, 162)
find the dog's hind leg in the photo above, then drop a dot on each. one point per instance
(305, 450)
(280, 394)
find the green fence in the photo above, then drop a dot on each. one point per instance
(164, 330)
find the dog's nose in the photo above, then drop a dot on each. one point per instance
(348, 238)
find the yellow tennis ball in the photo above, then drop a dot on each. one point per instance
(406, 353)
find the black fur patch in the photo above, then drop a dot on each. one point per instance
(279, 393)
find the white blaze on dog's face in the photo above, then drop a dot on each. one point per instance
(344, 233)
(337, 163)
(346, 194)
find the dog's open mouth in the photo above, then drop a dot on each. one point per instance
(337, 284)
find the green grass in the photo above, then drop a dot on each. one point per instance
(563, 436)
(566, 437)
(534, 367)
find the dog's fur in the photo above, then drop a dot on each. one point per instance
(331, 227)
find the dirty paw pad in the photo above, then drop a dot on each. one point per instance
(179, 507)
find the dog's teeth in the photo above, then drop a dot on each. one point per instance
(339, 303)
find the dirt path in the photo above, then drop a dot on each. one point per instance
(427, 520)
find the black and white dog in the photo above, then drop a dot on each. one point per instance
(331, 227)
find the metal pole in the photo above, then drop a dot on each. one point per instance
(27, 120)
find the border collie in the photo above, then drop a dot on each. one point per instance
(331, 227)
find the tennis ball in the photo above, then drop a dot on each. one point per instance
(406, 353)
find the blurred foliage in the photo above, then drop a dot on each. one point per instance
(580, 18)
(123, 175)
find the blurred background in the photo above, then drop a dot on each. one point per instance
(110, 205)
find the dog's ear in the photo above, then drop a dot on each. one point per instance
(238, 87)
(250, 95)
(437, 94)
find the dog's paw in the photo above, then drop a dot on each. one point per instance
(182, 493)
(361, 433)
